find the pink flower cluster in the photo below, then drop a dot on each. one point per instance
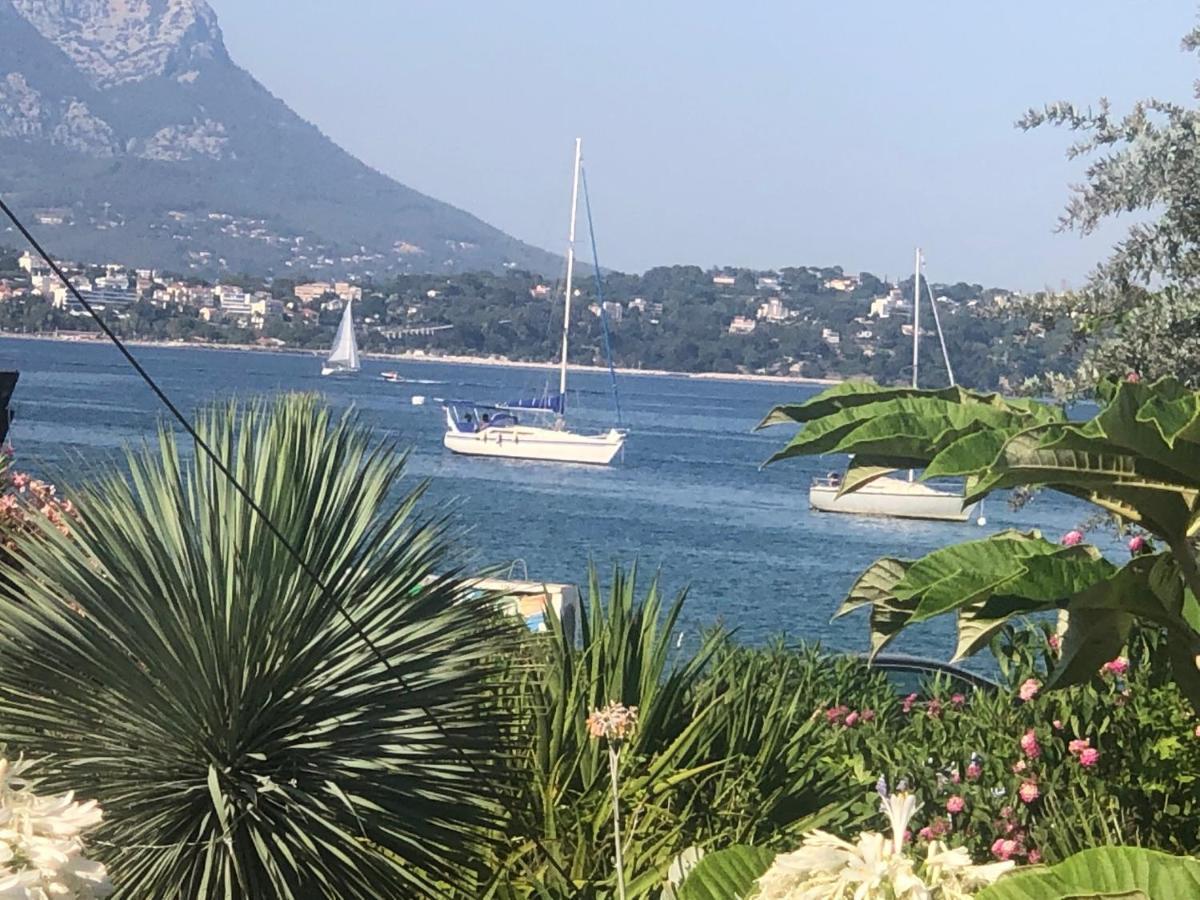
(615, 722)
(22, 499)
(1029, 689)
(1118, 666)
(1082, 749)
(1072, 538)
(936, 829)
(934, 707)
(846, 717)
(1011, 843)
(1029, 744)
(1139, 545)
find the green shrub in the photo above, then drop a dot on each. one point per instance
(727, 748)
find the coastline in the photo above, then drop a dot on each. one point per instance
(421, 356)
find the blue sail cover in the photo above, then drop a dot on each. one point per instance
(551, 402)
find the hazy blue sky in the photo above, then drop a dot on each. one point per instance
(756, 133)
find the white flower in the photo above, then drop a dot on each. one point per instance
(826, 867)
(41, 847)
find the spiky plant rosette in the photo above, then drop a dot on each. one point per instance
(177, 663)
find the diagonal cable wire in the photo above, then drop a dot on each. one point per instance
(187, 426)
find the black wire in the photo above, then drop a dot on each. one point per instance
(258, 510)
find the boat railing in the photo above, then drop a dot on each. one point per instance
(832, 480)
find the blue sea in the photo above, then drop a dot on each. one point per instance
(689, 501)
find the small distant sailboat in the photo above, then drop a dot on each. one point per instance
(343, 358)
(494, 430)
(888, 495)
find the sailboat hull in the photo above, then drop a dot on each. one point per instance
(893, 498)
(337, 370)
(540, 444)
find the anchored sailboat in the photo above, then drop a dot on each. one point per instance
(495, 430)
(343, 358)
(888, 495)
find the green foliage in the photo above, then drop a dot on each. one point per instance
(1137, 459)
(1140, 310)
(171, 659)
(727, 749)
(726, 873)
(1127, 873)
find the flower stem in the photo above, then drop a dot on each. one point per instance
(613, 762)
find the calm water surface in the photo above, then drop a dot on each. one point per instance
(688, 500)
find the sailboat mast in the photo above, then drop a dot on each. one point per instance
(916, 327)
(562, 377)
(916, 317)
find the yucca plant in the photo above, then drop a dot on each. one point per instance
(172, 659)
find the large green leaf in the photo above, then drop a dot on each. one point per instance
(727, 874)
(904, 426)
(1128, 873)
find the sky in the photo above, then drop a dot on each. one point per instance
(761, 134)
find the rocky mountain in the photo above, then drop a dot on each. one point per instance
(128, 133)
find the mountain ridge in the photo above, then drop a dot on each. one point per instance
(130, 123)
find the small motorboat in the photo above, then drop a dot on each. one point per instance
(393, 377)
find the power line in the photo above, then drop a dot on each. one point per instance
(291, 549)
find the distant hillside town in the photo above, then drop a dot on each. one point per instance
(797, 321)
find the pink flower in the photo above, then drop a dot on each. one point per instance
(1019, 766)
(1029, 689)
(20, 481)
(615, 722)
(955, 804)
(1133, 377)
(1089, 757)
(1030, 745)
(925, 834)
(1028, 792)
(1057, 724)
(1071, 538)
(955, 778)
(908, 703)
(1034, 856)
(935, 709)
(835, 714)
(1118, 666)
(868, 715)
(1078, 745)
(1055, 642)
(958, 701)
(851, 720)
(1137, 544)
(907, 836)
(1003, 848)
(974, 770)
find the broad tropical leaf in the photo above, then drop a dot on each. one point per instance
(175, 662)
(1127, 873)
(1138, 459)
(727, 874)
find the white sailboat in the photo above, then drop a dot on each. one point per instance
(889, 495)
(481, 430)
(343, 358)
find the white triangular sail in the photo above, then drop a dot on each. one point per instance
(344, 355)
